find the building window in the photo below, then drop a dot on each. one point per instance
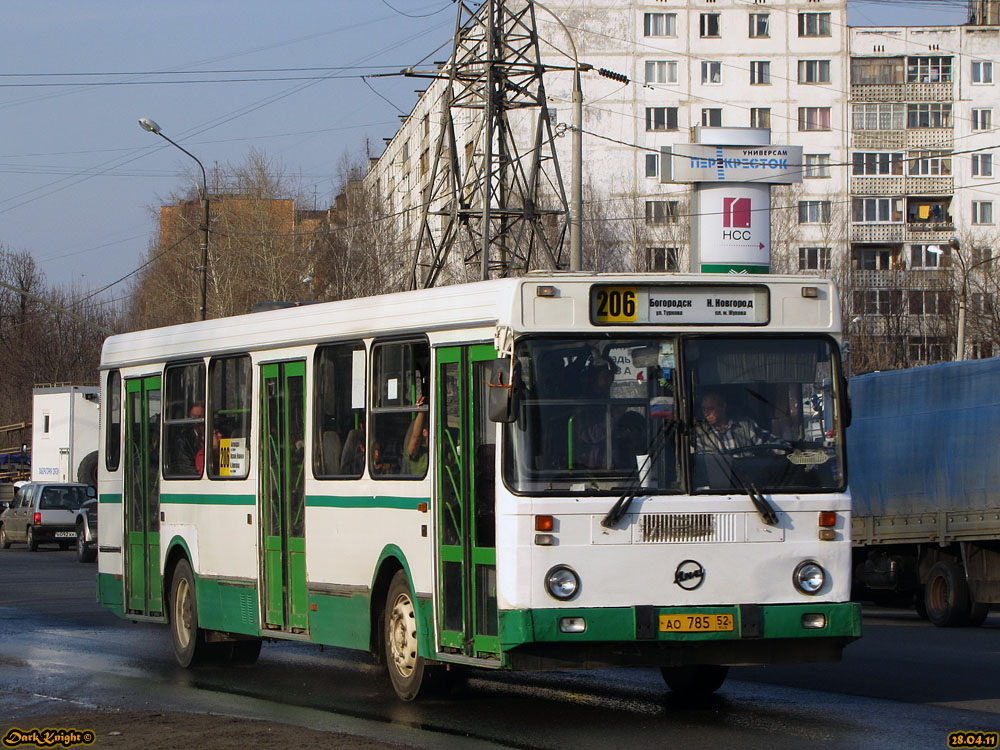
(661, 212)
(982, 72)
(814, 71)
(982, 119)
(760, 72)
(928, 115)
(652, 165)
(760, 117)
(711, 117)
(927, 302)
(927, 256)
(877, 210)
(710, 25)
(930, 163)
(928, 69)
(867, 71)
(878, 301)
(982, 212)
(760, 25)
(816, 166)
(878, 116)
(661, 118)
(814, 24)
(711, 72)
(876, 164)
(659, 24)
(814, 212)
(814, 118)
(874, 259)
(814, 258)
(662, 258)
(661, 71)
(982, 164)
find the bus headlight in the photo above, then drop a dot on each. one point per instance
(809, 577)
(562, 583)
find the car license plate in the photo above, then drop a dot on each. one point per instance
(65, 534)
(689, 622)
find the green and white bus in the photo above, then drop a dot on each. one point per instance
(522, 474)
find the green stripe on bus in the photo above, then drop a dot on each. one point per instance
(110, 497)
(191, 498)
(365, 501)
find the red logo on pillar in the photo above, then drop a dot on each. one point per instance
(736, 212)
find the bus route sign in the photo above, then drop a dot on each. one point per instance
(679, 305)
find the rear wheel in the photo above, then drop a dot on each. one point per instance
(4, 541)
(32, 542)
(186, 637)
(694, 680)
(946, 595)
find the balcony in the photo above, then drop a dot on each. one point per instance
(923, 232)
(878, 185)
(920, 278)
(878, 140)
(929, 185)
(877, 92)
(936, 138)
(873, 233)
(940, 91)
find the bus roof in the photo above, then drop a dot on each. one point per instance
(481, 304)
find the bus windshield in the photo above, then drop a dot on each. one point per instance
(675, 414)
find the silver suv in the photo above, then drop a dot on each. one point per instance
(44, 513)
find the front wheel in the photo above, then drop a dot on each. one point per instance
(186, 637)
(32, 542)
(408, 671)
(694, 680)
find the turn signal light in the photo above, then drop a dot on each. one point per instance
(544, 523)
(827, 518)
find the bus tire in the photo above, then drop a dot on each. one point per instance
(946, 595)
(245, 653)
(694, 680)
(187, 638)
(407, 669)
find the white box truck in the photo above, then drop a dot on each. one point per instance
(64, 434)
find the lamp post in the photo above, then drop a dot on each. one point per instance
(149, 125)
(963, 292)
(576, 177)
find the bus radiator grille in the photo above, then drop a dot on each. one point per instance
(686, 527)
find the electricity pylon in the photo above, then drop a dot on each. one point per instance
(500, 199)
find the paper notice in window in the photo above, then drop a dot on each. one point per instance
(358, 379)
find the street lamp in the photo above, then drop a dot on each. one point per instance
(149, 125)
(964, 292)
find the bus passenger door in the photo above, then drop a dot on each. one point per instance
(464, 504)
(282, 504)
(143, 580)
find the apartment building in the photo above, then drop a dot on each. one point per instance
(896, 126)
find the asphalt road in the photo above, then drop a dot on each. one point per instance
(906, 684)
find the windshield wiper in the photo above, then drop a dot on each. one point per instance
(760, 502)
(653, 451)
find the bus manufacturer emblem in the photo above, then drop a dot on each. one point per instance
(689, 575)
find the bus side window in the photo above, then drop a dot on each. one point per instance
(229, 400)
(339, 416)
(401, 408)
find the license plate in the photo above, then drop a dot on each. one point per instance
(689, 622)
(65, 534)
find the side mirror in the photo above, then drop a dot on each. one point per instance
(505, 390)
(91, 491)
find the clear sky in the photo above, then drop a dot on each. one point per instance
(78, 176)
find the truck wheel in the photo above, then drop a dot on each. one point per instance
(946, 595)
(694, 680)
(86, 472)
(186, 637)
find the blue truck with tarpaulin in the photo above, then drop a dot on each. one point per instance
(924, 461)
